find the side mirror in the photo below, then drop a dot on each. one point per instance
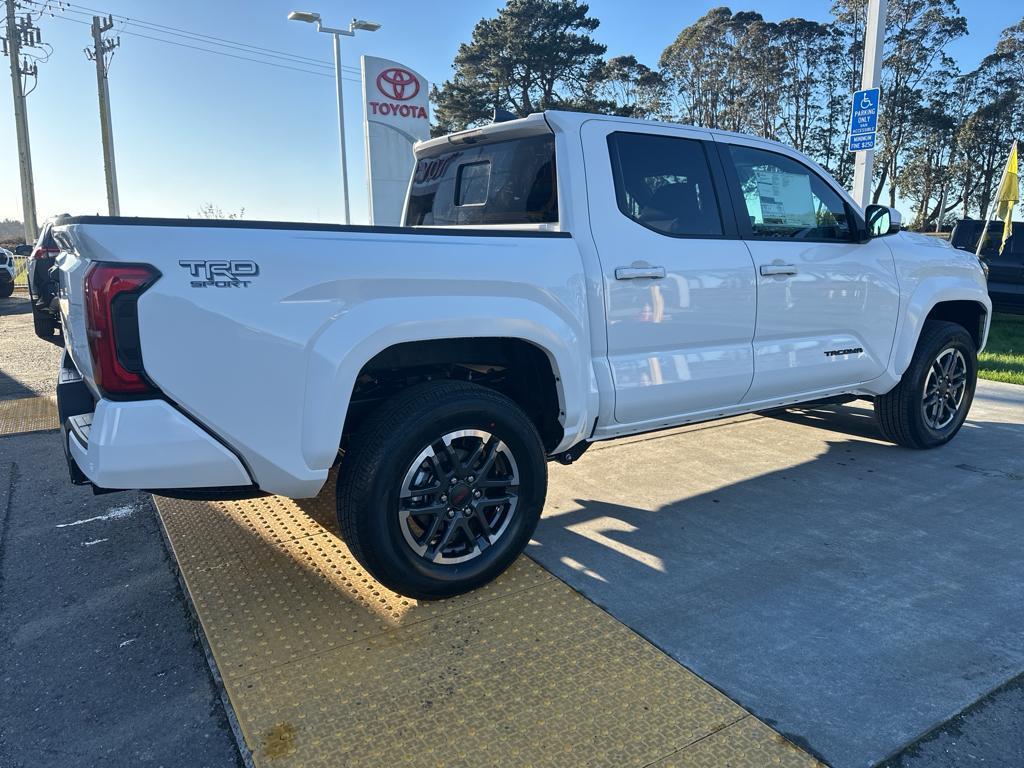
(882, 220)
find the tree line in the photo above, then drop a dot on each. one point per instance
(943, 133)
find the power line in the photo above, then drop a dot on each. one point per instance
(200, 37)
(218, 53)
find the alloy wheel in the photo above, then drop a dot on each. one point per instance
(458, 496)
(944, 388)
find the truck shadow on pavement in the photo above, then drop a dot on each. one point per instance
(853, 600)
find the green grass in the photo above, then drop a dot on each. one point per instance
(1003, 358)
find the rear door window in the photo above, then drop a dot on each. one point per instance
(664, 183)
(507, 182)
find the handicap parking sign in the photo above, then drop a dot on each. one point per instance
(863, 120)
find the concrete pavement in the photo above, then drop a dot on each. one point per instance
(852, 594)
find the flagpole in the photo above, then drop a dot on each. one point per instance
(992, 202)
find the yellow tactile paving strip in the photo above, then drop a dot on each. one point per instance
(28, 414)
(324, 667)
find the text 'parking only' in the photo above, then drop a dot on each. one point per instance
(864, 120)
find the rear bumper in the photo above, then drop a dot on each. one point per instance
(142, 444)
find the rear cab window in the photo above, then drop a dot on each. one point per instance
(503, 182)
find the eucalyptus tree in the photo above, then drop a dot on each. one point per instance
(695, 66)
(811, 56)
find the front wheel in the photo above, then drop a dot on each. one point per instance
(6, 289)
(441, 489)
(930, 404)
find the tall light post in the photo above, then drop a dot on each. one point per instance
(355, 24)
(871, 77)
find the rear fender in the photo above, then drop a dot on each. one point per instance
(346, 345)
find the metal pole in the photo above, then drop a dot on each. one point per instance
(942, 209)
(992, 204)
(28, 192)
(341, 123)
(871, 77)
(106, 129)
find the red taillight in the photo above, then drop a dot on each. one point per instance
(42, 253)
(107, 317)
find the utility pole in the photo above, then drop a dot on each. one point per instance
(871, 77)
(12, 47)
(98, 53)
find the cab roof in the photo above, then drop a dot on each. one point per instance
(553, 119)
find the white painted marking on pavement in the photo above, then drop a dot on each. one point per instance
(117, 513)
(94, 541)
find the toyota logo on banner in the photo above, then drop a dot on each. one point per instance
(399, 84)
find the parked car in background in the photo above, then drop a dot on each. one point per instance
(655, 275)
(23, 250)
(1006, 269)
(42, 286)
(6, 273)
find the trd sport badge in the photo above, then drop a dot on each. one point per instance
(221, 274)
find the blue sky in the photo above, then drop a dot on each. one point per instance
(193, 128)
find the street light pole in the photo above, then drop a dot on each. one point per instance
(871, 77)
(366, 26)
(341, 124)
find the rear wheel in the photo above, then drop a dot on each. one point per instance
(441, 489)
(930, 404)
(43, 322)
(6, 289)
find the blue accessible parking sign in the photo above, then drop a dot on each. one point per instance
(863, 120)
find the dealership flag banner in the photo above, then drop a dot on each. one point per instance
(1007, 195)
(395, 116)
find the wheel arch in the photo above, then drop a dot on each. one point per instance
(964, 307)
(519, 369)
(384, 332)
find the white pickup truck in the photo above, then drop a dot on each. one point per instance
(661, 275)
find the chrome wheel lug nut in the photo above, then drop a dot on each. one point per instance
(477, 494)
(444, 498)
(470, 479)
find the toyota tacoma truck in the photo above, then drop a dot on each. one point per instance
(559, 280)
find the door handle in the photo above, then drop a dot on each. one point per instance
(778, 269)
(635, 273)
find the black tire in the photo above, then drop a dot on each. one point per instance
(6, 289)
(901, 412)
(43, 322)
(382, 457)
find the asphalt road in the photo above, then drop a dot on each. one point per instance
(100, 663)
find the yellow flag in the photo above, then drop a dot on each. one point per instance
(1008, 195)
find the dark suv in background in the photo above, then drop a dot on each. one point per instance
(42, 286)
(1006, 270)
